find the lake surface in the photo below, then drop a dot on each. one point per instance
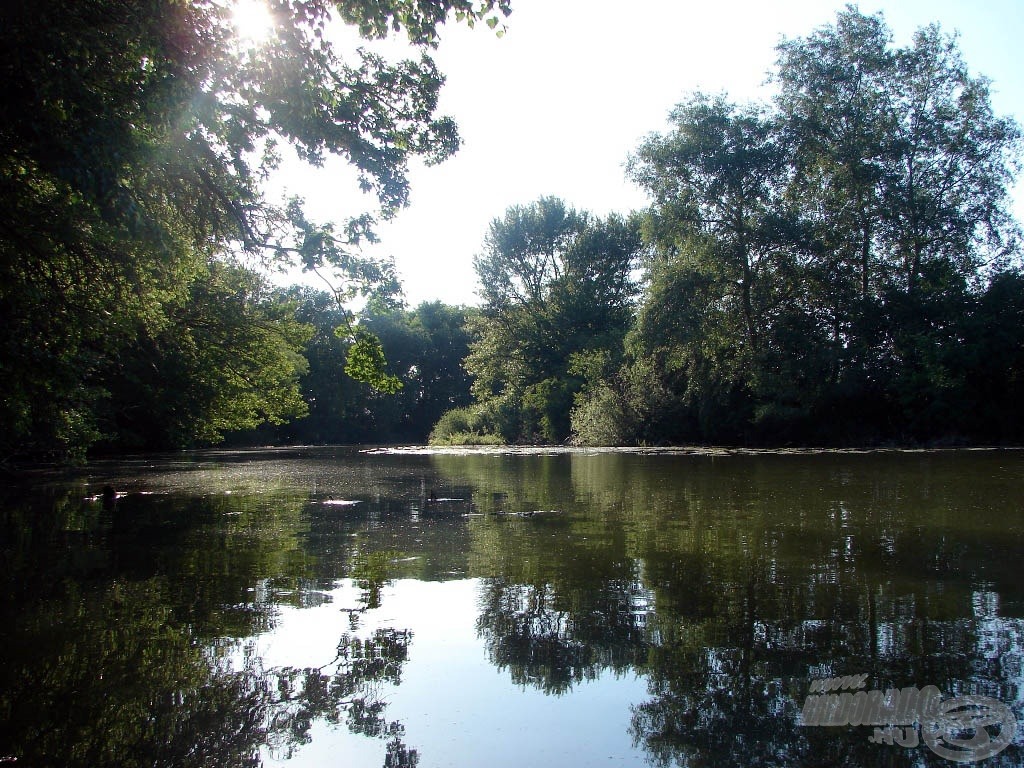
(338, 607)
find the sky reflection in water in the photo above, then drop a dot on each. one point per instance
(456, 707)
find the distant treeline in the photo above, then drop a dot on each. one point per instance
(837, 266)
(424, 347)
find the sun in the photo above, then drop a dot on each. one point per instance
(252, 20)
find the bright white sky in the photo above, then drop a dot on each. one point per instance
(557, 105)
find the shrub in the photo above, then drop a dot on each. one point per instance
(466, 426)
(599, 418)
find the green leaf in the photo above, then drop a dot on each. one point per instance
(366, 363)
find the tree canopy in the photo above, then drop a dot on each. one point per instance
(424, 349)
(817, 259)
(131, 167)
(557, 286)
(837, 265)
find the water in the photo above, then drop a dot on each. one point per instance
(317, 607)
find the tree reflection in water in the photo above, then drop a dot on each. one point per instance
(732, 587)
(348, 692)
(726, 585)
(108, 665)
(553, 643)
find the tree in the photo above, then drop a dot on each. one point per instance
(729, 260)
(991, 356)
(718, 175)
(903, 171)
(555, 282)
(815, 261)
(950, 168)
(227, 358)
(424, 349)
(133, 159)
(440, 383)
(688, 344)
(833, 93)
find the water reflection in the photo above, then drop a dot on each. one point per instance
(553, 638)
(763, 573)
(122, 625)
(723, 584)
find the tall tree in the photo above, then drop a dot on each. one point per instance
(719, 175)
(950, 165)
(835, 99)
(555, 282)
(729, 256)
(817, 262)
(903, 170)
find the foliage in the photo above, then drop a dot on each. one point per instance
(472, 425)
(839, 265)
(555, 282)
(137, 633)
(229, 357)
(813, 267)
(818, 264)
(132, 163)
(817, 269)
(417, 352)
(365, 362)
(600, 418)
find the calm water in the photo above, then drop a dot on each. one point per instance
(548, 609)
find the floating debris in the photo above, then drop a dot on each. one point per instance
(340, 502)
(530, 513)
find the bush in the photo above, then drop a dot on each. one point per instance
(466, 426)
(545, 411)
(599, 418)
(468, 438)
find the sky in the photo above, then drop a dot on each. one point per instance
(557, 105)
